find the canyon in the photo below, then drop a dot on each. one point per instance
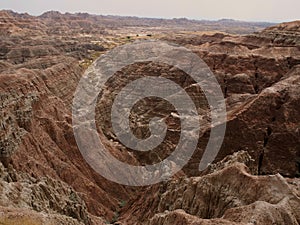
(44, 179)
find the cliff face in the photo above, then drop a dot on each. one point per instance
(44, 177)
(37, 137)
(44, 194)
(259, 75)
(37, 83)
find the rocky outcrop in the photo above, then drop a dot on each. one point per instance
(225, 196)
(21, 195)
(285, 34)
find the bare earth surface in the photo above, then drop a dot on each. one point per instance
(45, 180)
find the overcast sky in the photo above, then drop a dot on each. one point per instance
(250, 10)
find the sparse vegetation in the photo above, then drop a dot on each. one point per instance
(122, 203)
(87, 62)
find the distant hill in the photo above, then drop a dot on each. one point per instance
(223, 25)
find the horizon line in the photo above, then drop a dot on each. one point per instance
(149, 17)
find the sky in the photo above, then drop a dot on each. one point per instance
(247, 10)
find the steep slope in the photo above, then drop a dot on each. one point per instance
(41, 62)
(225, 196)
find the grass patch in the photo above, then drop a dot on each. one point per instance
(87, 62)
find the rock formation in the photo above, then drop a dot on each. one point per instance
(227, 195)
(45, 180)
